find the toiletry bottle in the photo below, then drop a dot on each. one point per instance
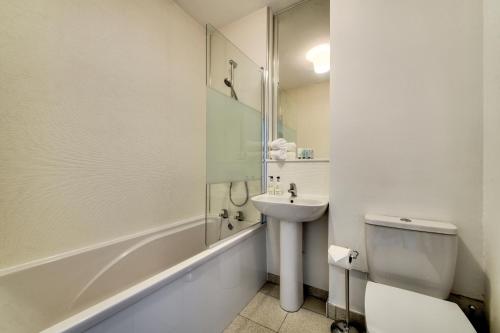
(277, 187)
(270, 186)
(300, 153)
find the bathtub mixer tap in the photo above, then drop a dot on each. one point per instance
(239, 216)
(224, 214)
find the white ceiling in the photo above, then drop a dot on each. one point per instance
(221, 12)
(300, 29)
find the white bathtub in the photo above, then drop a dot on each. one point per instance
(149, 282)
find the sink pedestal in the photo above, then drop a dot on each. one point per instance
(292, 212)
(291, 275)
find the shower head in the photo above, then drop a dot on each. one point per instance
(229, 84)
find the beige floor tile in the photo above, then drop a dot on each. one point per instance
(243, 325)
(271, 289)
(304, 321)
(265, 310)
(315, 304)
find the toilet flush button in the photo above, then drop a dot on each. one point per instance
(405, 219)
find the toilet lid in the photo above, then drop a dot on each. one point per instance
(393, 310)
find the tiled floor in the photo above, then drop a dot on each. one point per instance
(264, 315)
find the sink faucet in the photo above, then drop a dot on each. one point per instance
(293, 190)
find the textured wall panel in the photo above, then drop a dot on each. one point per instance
(407, 123)
(101, 122)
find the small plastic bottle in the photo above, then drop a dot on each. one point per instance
(270, 186)
(277, 187)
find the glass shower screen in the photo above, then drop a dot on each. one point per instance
(234, 151)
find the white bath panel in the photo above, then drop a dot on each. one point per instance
(205, 299)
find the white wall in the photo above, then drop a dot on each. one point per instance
(310, 178)
(250, 35)
(102, 122)
(491, 194)
(306, 109)
(406, 123)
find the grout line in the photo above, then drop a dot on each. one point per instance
(260, 324)
(284, 319)
(253, 321)
(318, 314)
(229, 325)
(322, 313)
(267, 282)
(274, 297)
(281, 325)
(242, 315)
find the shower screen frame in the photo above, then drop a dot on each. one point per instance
(263, 107)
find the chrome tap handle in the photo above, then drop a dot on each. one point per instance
(353, 255)
(239, 216)
(224, 213)
(293, 189)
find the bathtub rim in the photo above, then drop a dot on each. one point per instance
(173, 227)
(93, 315)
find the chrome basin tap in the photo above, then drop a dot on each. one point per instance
(293, 190)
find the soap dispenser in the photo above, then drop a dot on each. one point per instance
(277, 187)
(270, 186)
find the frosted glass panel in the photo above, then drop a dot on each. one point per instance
(234, 140)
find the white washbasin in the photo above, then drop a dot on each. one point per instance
(285, 208)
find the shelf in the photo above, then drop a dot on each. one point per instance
(317, 160)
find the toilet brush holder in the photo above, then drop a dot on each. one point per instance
(345, 326)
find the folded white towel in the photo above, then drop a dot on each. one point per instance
(277, 144)
(291, 155)
(279, 155)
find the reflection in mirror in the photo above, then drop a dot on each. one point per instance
(303, 57)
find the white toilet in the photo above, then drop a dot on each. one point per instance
(411, 265)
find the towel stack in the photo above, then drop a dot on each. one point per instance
(282, 150)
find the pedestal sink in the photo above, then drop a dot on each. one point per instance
(291, 212)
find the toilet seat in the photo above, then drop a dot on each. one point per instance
(394, 310)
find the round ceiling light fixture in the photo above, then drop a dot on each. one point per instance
(320, 57)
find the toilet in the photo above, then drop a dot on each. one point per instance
(411, 266)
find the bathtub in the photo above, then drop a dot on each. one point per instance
(145, 282)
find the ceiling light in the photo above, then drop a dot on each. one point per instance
(320, 57)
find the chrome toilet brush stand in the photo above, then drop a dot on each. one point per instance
(345, 326)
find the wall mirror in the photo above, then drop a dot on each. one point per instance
(302, 70)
